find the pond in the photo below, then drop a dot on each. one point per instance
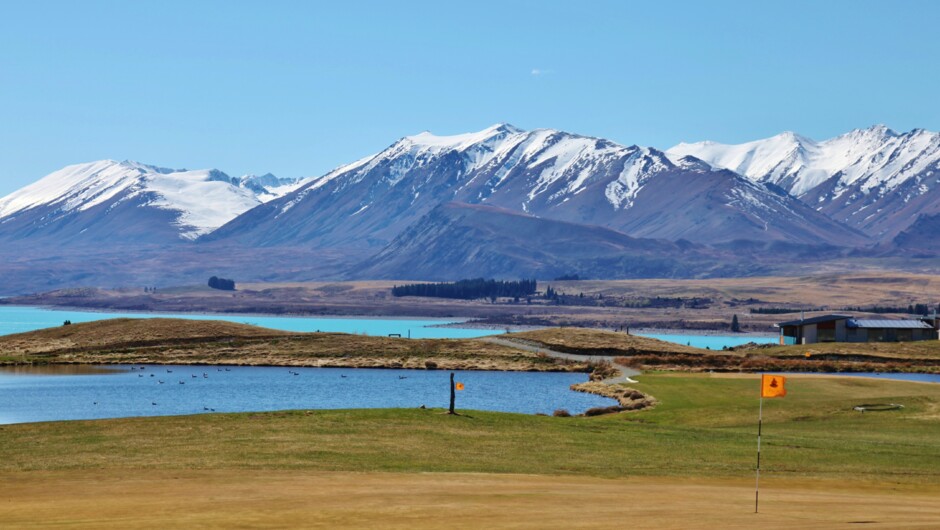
(38, 394)
(19, 319)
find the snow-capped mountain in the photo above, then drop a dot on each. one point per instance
(108, 201)
(546, 173)
(874, 179)
(268, 187)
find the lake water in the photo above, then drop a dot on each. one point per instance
(18, 319)
(714, 342)
(29, 395)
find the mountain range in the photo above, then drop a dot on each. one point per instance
(500, 202)
(874, 180)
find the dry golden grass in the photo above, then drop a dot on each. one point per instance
(290, 499)
(628, 398)
(120, 331)
(832, 290)
(927, 349)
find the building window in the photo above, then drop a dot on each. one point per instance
(826, 332)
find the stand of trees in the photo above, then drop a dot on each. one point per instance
(912, 309)
(468, 289)
(222, 283)
(782, 310)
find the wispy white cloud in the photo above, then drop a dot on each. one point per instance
(536, 72)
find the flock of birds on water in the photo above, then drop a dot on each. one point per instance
(205, 375)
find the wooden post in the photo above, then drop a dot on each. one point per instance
(453, 394)
(760, 421)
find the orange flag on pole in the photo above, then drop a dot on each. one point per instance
(772, 386)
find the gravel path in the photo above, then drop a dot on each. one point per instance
(625, 372)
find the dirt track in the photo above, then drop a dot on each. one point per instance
(248, 498)
(625, 372)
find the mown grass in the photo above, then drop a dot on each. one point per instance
(704, 426)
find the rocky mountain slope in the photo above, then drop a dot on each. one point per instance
(546, 173)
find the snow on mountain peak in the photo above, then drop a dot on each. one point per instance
(461, 142)
(875, 154)
(204, 199)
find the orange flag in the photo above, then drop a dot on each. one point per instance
(772, 386)
(459, 386)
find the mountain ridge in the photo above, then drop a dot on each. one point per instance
(875, 179)
(544, 172)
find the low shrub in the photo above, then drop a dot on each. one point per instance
(598, 411)
(561, 413)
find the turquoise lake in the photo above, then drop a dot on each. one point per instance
(713, 342)
(18, 319)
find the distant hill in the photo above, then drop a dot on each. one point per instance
(458, 240)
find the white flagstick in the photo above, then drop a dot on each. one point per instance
(760, 420)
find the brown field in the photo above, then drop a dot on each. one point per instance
(606, 303)
(291, 499)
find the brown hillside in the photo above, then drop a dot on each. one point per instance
(130, 332)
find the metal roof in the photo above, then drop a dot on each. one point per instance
(888, 324)
(814, 320)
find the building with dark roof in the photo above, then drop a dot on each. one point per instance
(845, 328)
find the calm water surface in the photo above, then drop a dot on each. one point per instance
(158, 390)
(18, 319)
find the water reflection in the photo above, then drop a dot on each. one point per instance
(60, 369)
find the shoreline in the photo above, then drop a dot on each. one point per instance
(702, 332)
(444, 322)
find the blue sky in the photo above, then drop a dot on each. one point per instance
(297, 88)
